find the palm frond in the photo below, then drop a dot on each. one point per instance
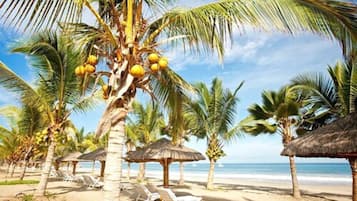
(39, 14)
(14, 83)
(209, 25)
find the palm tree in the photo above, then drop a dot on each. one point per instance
(18, 143)
(327, 98)
(174, 97)
(212, 115)
(57, 94)
(277, 114)
(125, 35)
(146, 123)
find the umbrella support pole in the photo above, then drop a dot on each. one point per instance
(74, 163)
(353, 164)
(165, 164)
(102, 167)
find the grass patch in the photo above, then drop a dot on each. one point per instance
(16, 182)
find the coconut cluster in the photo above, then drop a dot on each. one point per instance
(88, 67)
(156, 63)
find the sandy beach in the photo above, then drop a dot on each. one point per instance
(226, 190)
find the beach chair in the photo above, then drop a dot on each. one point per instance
(168, 195)
(152, 188)
(92, 182)
(144, 194)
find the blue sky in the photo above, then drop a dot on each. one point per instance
(265, 61)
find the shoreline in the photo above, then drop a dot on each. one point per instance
(227, 189)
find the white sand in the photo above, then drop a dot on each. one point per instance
(227, 190)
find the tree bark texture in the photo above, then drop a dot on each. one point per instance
(45, 173)
(182, 179)
(112, 175)
(210, 174)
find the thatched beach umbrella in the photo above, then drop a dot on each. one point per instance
(96, 155)
(336, 140)
(71, 157)
(164, 152)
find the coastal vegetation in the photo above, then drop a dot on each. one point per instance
(212, 115)
(129, 42)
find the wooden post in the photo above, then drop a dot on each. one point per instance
(165, 163)
(93, 164)
(74, 163)
(353, 164)
(102, 167)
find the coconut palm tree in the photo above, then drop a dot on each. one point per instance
(57, 95)
(126, 34)
(146, 123)
(174, 97)
(328, 98)
(278, 113)
(212, 115)
(18, 142)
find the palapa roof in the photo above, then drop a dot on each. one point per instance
(335, 140)
(96, 155)
(70, 157)
(161, 149)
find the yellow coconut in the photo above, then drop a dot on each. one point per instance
(105, 88)
(89, 68)
(137, 71)
(82, 70)
(92, 60)
(163, 63)
(155, 67)
(153, 58)
(77, 71)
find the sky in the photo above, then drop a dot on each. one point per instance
(264, 61)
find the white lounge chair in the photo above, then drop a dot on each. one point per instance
(168, 195)
(145, 195)
(92, 182)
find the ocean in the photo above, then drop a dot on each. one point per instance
(325, 173)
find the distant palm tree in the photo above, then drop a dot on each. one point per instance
(174, 97)
(127, 31)
(18, 142)
(146, 122)
(58, 93)
(212, 114)
(328, 98)
(278, 113)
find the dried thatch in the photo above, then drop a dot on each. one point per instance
(165, 152)
(70, 157)
(161, 149)
(96, 155)
(336, 140)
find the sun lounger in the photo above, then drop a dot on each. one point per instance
(168, 195)
(91, 182)
(144, 194)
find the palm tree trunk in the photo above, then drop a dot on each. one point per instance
(296, 191)
(353, 164)
(13, 169)
(129, 166)
(112, 175)
(8, 170)
(24, 170)
(45, 173)
(141, 174)
(26, 163)
(181, 181)
(210, 174)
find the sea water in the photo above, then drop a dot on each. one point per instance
(326, 173)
